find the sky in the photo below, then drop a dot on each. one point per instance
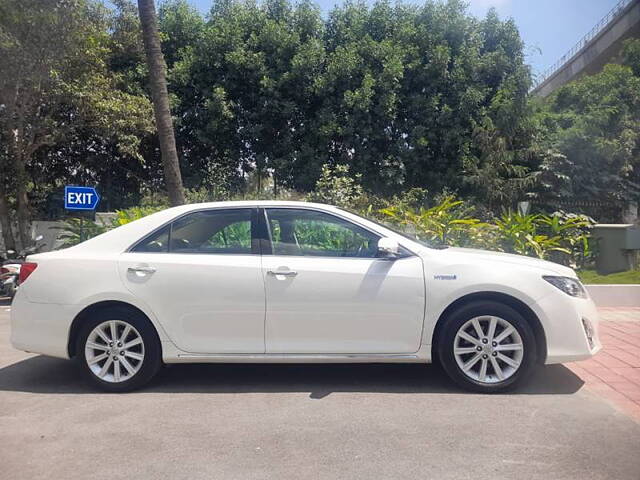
(549, 28)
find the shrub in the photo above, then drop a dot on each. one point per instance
(337, 187)
(134, 213)
(447, 223)
(520, 234)
(561, 237)
(76, 230)
(575, 236)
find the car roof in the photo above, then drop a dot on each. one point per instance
(252, 203)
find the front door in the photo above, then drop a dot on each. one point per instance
(201, 277)
(328, 293)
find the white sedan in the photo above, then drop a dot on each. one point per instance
(268, 281)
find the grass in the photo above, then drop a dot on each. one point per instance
(591, 277)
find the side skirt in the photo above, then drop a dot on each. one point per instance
(421, 356)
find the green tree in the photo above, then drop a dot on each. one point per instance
(39, 41)
(269, 93)
(181, 28)
(405, 95)
(593, 125)
(408, 94)
(243, 89)
(66, 117)
(55, 82)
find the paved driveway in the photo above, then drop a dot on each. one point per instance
(304, 422)
(615, 372)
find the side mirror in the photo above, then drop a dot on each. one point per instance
(388, 248)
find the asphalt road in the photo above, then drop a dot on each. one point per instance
(303, 422)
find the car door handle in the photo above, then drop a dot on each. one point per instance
(142, 269)
(286, 273)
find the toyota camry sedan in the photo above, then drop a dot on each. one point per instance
(267, 281)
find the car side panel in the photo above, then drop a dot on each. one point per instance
(206, 303)
(41, 327)
(69, 279)
(57, 291)
(559, 314)
(344, 305)
(446, 283)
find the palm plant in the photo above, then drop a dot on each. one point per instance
(520, 234)
(77, 230)
(447, 223)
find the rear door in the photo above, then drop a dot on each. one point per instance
(201, 276)
(329, 293)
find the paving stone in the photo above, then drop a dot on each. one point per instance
(614, 373)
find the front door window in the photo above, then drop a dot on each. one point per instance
(304, 232)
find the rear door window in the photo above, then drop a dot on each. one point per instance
(219, 231)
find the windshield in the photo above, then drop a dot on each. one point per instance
(407, 235)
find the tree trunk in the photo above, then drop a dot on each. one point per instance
(5, 218)
(24, 223)
(17, 155)
(160, 97)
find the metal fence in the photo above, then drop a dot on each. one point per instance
(599, 27)
(600, 211)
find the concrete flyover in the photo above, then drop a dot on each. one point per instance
(597, 48)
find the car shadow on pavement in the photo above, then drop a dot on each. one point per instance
(47, 375)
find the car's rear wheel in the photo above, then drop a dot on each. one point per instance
(118, 350)
(487, 347)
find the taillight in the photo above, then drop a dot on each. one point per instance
(26, 269)
(3, 270)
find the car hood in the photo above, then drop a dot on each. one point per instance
(469, 255)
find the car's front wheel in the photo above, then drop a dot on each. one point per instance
(118, 350)
(487, 347)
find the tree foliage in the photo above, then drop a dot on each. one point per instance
(590, 135)
(336, 187)
(274, 99)
(400, 93)
(63, 119)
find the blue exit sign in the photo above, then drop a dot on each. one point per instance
(80, 198)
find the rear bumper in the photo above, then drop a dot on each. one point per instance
(563, 319)
(41, 327)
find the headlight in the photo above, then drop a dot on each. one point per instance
(570, 286)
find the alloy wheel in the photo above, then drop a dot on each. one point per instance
(488, 349)
(114, 351)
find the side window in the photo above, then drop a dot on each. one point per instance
(212, 231)
(313, 233)
(156, 243)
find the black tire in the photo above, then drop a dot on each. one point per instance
(151, 362)
(467, 312)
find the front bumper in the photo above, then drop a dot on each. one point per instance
(571, 327)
